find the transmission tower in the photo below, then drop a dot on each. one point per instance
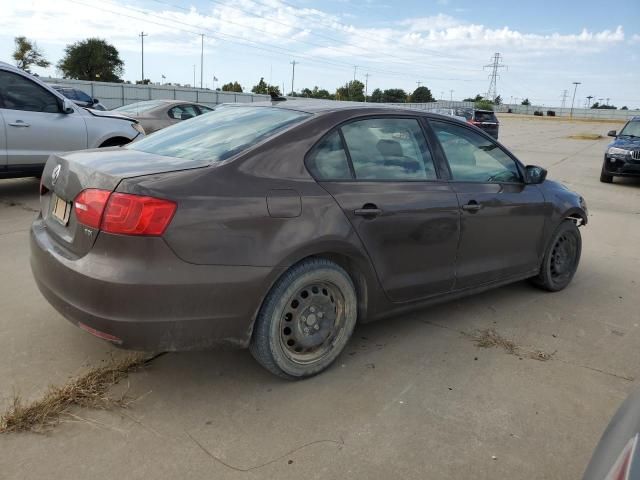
(493, 76)
(565, 94)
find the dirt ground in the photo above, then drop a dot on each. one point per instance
(411, 397)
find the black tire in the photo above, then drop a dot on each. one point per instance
(561, 258)
(306, 320)
(605, 177)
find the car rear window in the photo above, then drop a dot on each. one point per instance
(485, 117)
(220, 134)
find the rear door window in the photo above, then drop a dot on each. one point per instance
(183, 112)
(389, 149)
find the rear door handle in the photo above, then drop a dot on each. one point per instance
(472, 206)
(19, 123)
(367, 211)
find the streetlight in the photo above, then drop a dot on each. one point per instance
(575, 88)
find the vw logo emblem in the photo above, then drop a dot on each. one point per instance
(55, 174)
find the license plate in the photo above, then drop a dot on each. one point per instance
(61, 209)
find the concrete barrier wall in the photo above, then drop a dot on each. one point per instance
(114, 95)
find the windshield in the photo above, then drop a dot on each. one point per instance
(631, 129)
(140, 107)
(220, 134)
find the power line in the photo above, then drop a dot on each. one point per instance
(493, 76)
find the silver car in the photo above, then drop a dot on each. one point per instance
(36, 121)
(154, 115)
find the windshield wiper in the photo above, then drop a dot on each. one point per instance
(628, 135)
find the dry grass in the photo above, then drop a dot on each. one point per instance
(489, 338)
(586, 136)
(87, 391)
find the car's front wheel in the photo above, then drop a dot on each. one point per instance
(306, 320)
(604, 176)
(561, 259)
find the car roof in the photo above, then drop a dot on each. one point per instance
(328, 106)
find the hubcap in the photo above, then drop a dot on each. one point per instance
(312, 321)
(563, 257)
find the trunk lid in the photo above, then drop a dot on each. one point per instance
(66, 174)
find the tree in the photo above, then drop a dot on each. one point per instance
(353, 90)
(146, 81)
(483, 104)
(232, 87)
(316, 93)
(265, 89)
(376, 96)
(394, 95)
(27, 54)
(477, 98)
(497, 100)
(525, 102)
(624, 108)
(92, 59)
(422, 95)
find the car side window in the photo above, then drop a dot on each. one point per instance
(328, 160)
(19, 93)
(83, 97)
(473, 157)
(204, 109)
(183, 112)
(389, 149)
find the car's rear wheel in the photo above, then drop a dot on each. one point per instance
(561, 259)
(306, 320)
(604, 176)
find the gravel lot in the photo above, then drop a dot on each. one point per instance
(412, 397)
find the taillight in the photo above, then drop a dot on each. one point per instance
(137, 215)
(89, 205)
(123, 213)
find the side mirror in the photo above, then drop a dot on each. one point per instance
(67, 106)
(185, 116)
(612, 133)
(534, 175)
(95, 100)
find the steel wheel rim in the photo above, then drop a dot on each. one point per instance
(312, 322)
(563, 257)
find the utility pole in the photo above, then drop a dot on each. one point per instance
(201, 58)
(575, 88)
(142, 35)
(419, 84)
(355, 71)
(608, 98)
(589, 97)
(194, 75)
(564, 95)
(493, 76)
(293, 75)
(366, 86)
(451, 95)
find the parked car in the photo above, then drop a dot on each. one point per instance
(278, 225)
(79, 97)
(36, 121)
(154, 115)
(483, 119)
(622, 158)
(617, 455)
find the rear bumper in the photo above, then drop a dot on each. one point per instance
(147, 298)
(621, 168)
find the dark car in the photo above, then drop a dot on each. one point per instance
(277, 226)
(617, 456)
(484, 119)
(79, 97)
(622, 158)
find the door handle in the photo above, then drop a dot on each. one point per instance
(19, 123)
(368, 210)
(472, 206)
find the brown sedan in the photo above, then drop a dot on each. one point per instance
(155, 115)
(279, 226)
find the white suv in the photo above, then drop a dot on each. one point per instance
(36, 121)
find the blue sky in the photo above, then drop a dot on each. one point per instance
(441, 43)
